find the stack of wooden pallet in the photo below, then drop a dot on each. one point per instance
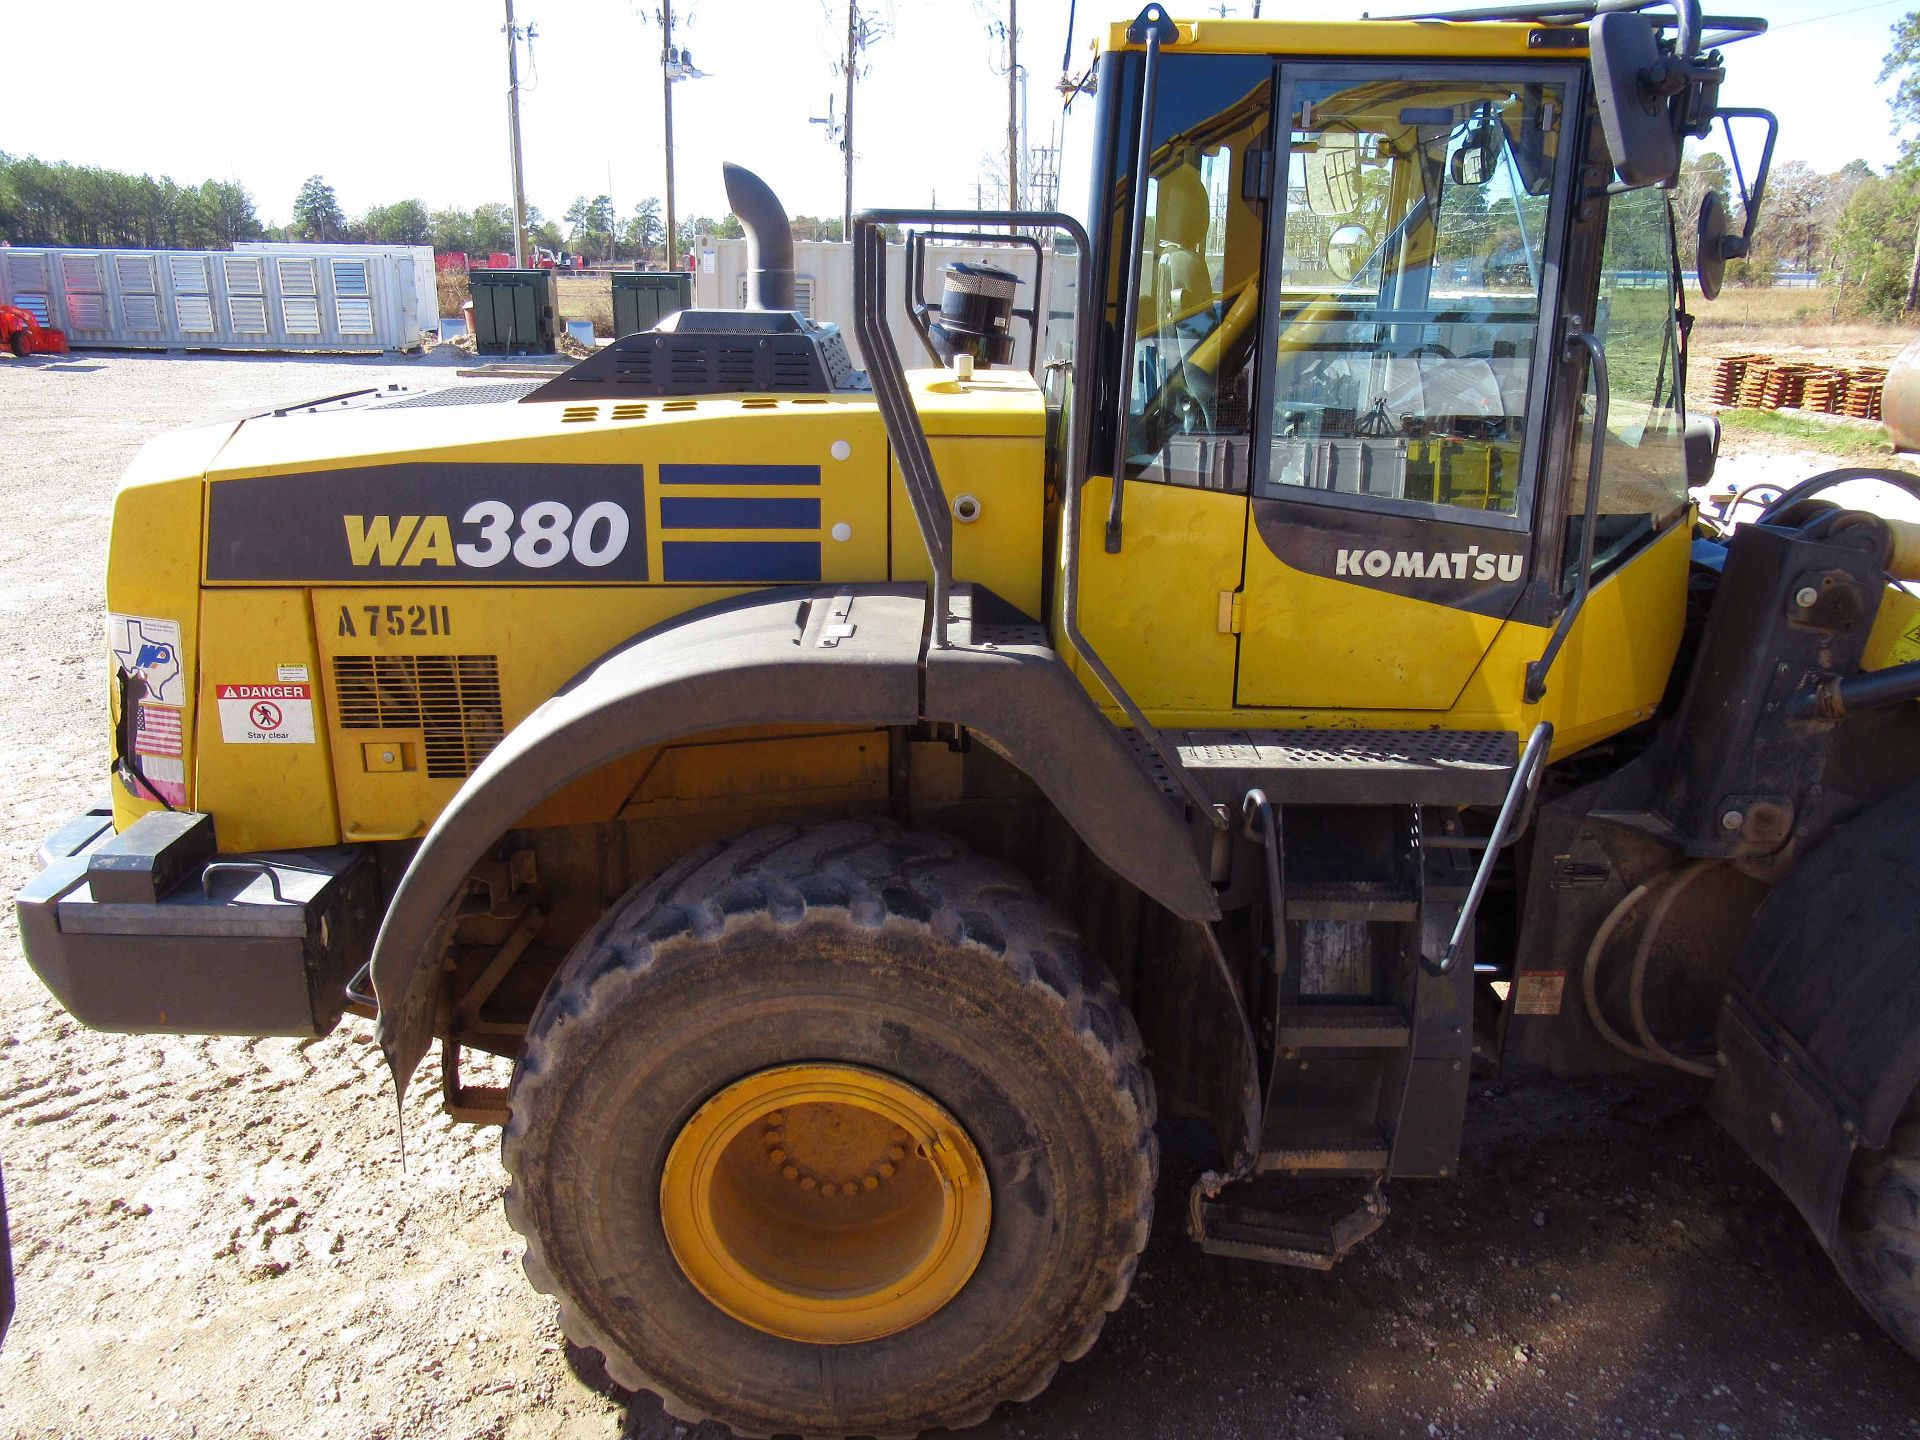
(1759, 382)
(1727, 375)
(1863, 392)
(1825, 390)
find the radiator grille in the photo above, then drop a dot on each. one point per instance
(453, 700)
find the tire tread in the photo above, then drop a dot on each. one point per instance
(860, 873)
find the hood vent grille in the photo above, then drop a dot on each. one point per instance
(453, 700)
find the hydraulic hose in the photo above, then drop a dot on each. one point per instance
(1636, 983)
(1652, 1052)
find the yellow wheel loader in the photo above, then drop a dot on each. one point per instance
(1250, 685)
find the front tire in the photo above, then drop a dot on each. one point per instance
(925, 983)
(1877, 1248)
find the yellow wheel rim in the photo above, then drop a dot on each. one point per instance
(825, 1203)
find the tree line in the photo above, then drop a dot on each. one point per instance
(1855, 228)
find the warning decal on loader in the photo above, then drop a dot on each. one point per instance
(266, 714)
(1538, 992)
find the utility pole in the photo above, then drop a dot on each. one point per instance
(846, 124)
(513, 138)
(666, 87)
(1013, 104)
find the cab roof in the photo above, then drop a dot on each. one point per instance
(1414, 39)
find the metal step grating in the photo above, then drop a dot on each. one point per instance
(1353, 767)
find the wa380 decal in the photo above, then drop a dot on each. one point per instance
(492, 522)
(540, 536)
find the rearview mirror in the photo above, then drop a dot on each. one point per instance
(1634, 85)
(1479, 153)
(1347, 250)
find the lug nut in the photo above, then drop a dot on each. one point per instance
(1732, 820)
(1805, 596)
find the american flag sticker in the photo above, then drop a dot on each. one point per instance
(156, 729)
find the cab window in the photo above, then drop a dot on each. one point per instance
(1643, 471)
(1411, 285)
(1190, 359)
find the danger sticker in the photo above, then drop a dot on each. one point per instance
(266, 714)
(1538, 992)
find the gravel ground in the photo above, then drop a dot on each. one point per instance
(217, 1237)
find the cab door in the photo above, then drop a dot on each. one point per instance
(1405, 356)
(1158, 605)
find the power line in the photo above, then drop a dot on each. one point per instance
(1837, 14)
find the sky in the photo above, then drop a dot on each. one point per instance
(390, 99)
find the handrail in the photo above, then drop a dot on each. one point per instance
(1152, 26)
(1578, 338)
(909, 438)
(1526, 776)
(925, 493)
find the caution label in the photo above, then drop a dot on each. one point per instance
(1538, 992)
(266, 714)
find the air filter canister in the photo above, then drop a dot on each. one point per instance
(976, 314)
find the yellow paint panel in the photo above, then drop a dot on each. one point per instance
(1001, 548)
(1614, 667)
(540, 639)
(1315, 642)
(262, 796)
(994, 402)
(1895, 637)
(153, 569)
(1152, 611)
(702, 779)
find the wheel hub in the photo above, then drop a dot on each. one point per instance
(825, 1203)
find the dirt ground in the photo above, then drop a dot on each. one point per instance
(217, 1238)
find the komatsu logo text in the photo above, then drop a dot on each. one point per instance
(1472, 563)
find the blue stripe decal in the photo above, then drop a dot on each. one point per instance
(689, 512)
(739, 474)
(724, 560)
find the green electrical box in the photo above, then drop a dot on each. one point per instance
(514, 312)
(643, 298)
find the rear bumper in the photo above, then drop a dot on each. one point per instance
(151, 931)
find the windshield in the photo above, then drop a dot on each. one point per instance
(1410, 288)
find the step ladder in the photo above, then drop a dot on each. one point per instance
(1369, 904)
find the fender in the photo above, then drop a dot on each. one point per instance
(1820, 1035)
(798, 655)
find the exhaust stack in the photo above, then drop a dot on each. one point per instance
(769, 238)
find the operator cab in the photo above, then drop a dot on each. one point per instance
(1346, 333)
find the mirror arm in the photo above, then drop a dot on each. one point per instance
(1750, 198)
(1578, 339)
(1153, 27)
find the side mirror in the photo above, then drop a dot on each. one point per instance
(1479, 154)
(1713, 245)
(1634, 86)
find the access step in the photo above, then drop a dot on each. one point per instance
(1326, 1149)
(1382, 901)
(1352, 767)
(1275, 1221)
(1342, 1027)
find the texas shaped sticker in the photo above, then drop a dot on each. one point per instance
(149, 648)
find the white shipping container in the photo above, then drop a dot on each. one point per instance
(261, 296)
